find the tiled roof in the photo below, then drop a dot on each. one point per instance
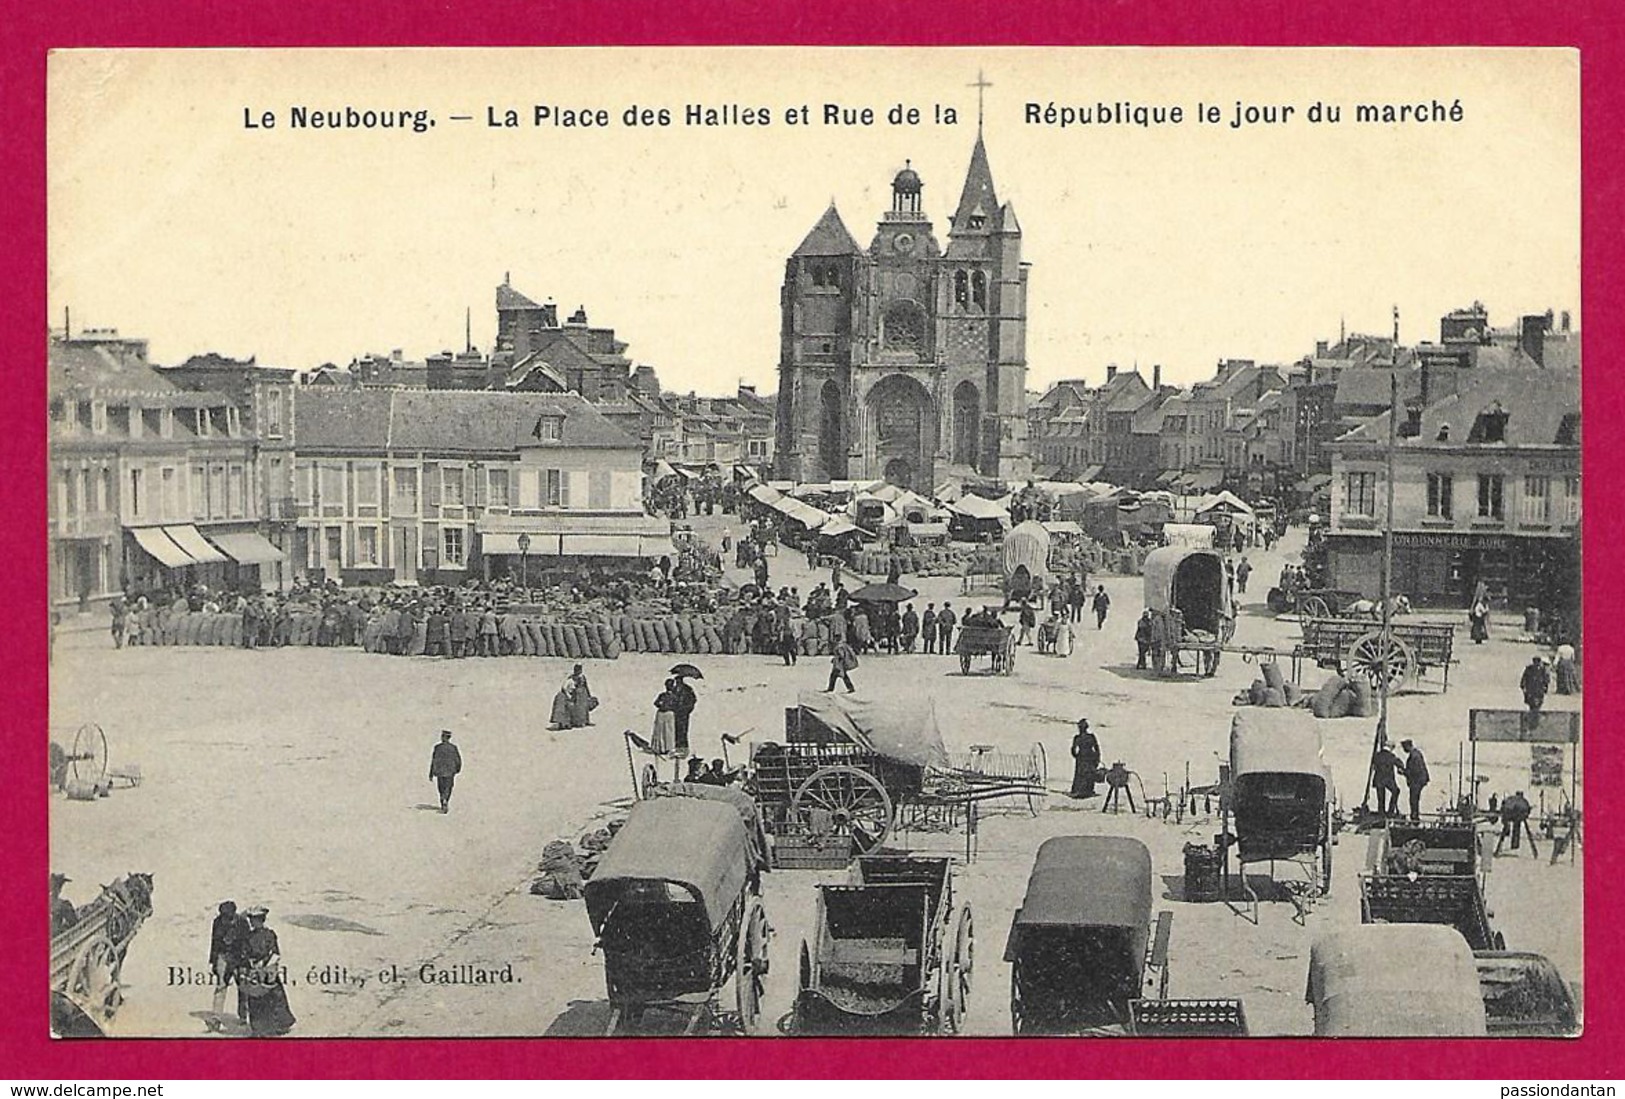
(1536, 402)
(829, 237)
(509, 298)
(1366, 386)
(473, 421)
(78, 366)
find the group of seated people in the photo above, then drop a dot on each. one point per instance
(717, 774)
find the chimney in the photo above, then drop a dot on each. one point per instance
(1532, 337)
(395, 355)
(1111, 371)
(1156, 376)
(1320, 349)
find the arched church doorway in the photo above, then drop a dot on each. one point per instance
(902, 418)
(831, 447)
(967, 425)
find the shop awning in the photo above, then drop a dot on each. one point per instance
(1091, 473)
(162, 549)
(601, 545)
(837, 527)
(199, 550)
(656, 546)
(247, 549)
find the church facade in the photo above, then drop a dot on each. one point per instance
(907, 361)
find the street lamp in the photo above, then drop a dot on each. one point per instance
(524, 562)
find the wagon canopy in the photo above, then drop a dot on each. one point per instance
(1194, 581)
(701, 846)
(1088, 881)
(903, 732)
(1278, 742)
(980, 508)
(1395, 980)
(1027, 547)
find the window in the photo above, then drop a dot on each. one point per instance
(978, 288)
(961, 288)
(557, 494)
(1571, 500)
(1490, 427)
(1440, 491)
(235, 483)
(98, 417)
(1491, 489)
(332, 488)
(138, 422)
(104, 489)
(1360, 493)
(366, 545)
(69, 418)
(304, 481)
(404, 500)
(549, 429)
(200, 491)
(451, 486)
(366, 486)
(166, 423)
(453, 537)
(273, 413)
(1537, 500)
(499, 488)
(136, 501)
(204, 427)
(172, 493)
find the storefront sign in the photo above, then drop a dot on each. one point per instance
(1512, 726)
(1450, 541)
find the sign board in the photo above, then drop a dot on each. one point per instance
(1521, 726)
(1449, 541)
(1546, 765)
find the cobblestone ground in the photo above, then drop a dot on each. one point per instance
(297, 778)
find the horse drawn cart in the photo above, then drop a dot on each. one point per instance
(1278, 807)
(1355, 647)
(676, 908)
(88, 954)
(851, 770)
(1191, 597)
(1428, 873)
(892, 952)
(993, 640)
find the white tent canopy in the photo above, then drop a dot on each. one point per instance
(1223, 501)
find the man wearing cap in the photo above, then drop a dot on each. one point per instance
(63, 914)
(226, 955)
(1536, 682)
(1416, 775)
(444, 766)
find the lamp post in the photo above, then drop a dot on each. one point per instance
(524, 561)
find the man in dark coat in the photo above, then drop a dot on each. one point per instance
(910, 628)
(1142, 637)
(445, 764)
(1102, 604)
(686, 699)
(436, 631)
(945, 629)
(457, 630)
(1536, 682)
(1416, 775)
(1085, 761)
(929, 625)
(226, 955)
(1515, 812)
(1385, 768)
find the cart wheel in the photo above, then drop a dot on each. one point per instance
(965, 945)
(950, 998)
(1369, 656)
(1313, 606)
(806, 967)
(964, 663)
(88, 761)
(1010, 660)
(1038, 771)
(857, 803)
(750, 966)
(94, 985)
(647, 781)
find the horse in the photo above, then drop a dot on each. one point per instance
(1372, 608)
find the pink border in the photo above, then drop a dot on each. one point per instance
(35, 28)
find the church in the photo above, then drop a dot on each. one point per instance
(907, 361)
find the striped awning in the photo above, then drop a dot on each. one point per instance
(199, 550)
(248, 548)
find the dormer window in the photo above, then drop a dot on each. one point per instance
(549, 429)
(201, 421)
(98, 417)
(1568, 432)
(1412, 427)
(1444, 433)
(1490, 427)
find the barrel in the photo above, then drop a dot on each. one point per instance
(1202, 874)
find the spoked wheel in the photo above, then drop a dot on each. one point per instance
(750, 966)
(94, 983)
(1038, 771)
(1326, 855)
(1313, 606)
(1370, 657)
(1016, 1020)
(950, 998)
(1009, 660)
(88, 761)
(856, 802)
(965, 945)
(647, 781)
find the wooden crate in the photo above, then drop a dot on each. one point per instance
(804, 851)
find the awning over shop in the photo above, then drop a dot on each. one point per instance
(248, 548)
(601, 545)
(764, 494)
(656, 547)
(836, 527)
(1063, 526)
(1090, 474)
(1168, 477)
(161, 548)
(1206, 480)
(188, 539)
(500, 543)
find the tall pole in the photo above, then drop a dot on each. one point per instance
(1387, 634)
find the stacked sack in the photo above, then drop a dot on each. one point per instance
(1270, 689)
(1339, 697)
(671, 633)
(561, 873)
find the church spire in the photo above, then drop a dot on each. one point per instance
(978, 202)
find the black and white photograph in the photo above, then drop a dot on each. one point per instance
(804, 542)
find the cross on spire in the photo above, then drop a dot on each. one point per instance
(981, 86)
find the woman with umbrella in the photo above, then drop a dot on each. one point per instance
(684, 699)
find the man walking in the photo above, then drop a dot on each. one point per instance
(1384, 771)
(1243, 571)
(1536, 682)
(945, 629)
(1102, 604)
(685, 699)
(1416, 776)
(1143, 631)
(444, 766)
(841, 663)
(226, 937)
(928, 624)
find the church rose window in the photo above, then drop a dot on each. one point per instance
(905, 328)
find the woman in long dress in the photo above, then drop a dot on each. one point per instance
(563, 701)
(1479, 616)
(1085, 761)
(261, 980)
(582, 702)
(664, 739)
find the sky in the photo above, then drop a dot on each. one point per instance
(1173, 243)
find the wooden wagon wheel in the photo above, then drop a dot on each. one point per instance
(1369, 655)
(1009, 667)
(805, 975)
(647, 781)
(88, 761)
(965, 945)
(1313, 606)
(1326, 854)
(93, 984)
(950, 997)
(750, 965)
(857, 803)
(1015, 996)
(1038, 772)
